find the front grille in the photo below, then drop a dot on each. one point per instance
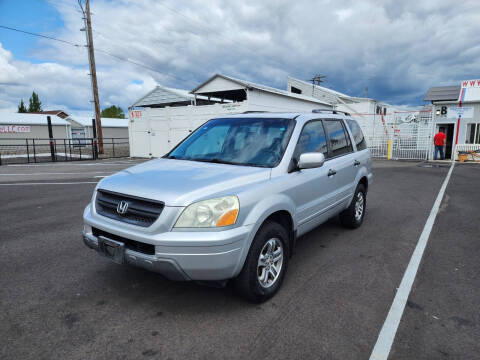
(141, 212)
(129, 244)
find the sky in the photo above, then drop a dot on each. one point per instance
(397, 48)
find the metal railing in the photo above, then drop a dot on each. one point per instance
(399, 135)
(24, 151)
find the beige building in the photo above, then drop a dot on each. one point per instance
(18, 126)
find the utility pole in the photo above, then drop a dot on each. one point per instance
(93, 72)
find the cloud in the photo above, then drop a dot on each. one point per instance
(396, 48)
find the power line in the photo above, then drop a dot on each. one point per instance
(40, 35)
(138, 64)
(96, 49)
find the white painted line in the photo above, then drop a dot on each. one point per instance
(390, 326)
(52, 183)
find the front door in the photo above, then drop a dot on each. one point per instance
(449, 130)
(313, 188)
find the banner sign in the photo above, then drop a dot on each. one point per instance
(470, 91)
(13, 129)
(457, 112)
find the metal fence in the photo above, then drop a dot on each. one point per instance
(400, 135)
(24, 151)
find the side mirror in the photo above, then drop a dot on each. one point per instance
(311, 160)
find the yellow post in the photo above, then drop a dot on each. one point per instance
(389, 153)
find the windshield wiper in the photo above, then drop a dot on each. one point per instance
(217, 161)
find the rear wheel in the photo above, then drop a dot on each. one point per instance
(266, 263)
(352, 217)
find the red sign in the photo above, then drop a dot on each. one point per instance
(136, 114)
(13, 129)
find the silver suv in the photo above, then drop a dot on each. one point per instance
(230, 200)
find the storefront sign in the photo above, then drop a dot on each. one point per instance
(13, 129)
(460, 112)
(470, 91)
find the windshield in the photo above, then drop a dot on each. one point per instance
(238, 141)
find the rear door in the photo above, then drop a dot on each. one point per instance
(341, 161)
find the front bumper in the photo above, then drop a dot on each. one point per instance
(215, 256)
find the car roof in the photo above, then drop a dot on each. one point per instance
(300, 117)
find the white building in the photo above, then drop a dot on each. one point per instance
(159, 125)
(461, 123)
(111, 127)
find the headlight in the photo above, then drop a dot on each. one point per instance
(210, 213)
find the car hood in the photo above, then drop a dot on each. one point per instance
(182, 182)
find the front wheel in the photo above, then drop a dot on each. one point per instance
(266, 263)
(352, 217)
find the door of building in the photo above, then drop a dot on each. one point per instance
(449, 130)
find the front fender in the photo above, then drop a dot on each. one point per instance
(259, 213)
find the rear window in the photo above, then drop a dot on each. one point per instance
(357, 135)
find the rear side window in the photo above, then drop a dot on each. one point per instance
(312, 139)
(357, 135)
(339, 140)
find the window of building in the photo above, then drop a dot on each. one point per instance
(295, 90)
(473, 134)
(357, 135)
(339, 141)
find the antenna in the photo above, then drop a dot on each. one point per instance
(318, 79)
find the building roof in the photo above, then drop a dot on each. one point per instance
(7, 117)
(163, 95)
(60, 113)
(106, 122)
(251, 85)
(445, 93)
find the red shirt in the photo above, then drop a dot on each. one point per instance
(439, 139)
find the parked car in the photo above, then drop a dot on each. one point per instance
(229, 201)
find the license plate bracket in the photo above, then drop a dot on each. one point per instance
(114, 250)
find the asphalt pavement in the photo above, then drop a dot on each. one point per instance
(61, 300)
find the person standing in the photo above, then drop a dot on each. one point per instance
(440, 139)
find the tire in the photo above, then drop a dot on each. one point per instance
(351, 217)
(257, 281)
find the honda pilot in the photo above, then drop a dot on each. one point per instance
(231, 199)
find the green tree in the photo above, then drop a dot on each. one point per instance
(113, 112)
(22, 108)
(34, 103)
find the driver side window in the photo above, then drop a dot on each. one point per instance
(312, 139)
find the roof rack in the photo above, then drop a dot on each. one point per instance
(316, 111)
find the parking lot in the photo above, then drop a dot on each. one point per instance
(61, 300)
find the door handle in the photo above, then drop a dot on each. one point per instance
(356, 163)
(331, 172)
